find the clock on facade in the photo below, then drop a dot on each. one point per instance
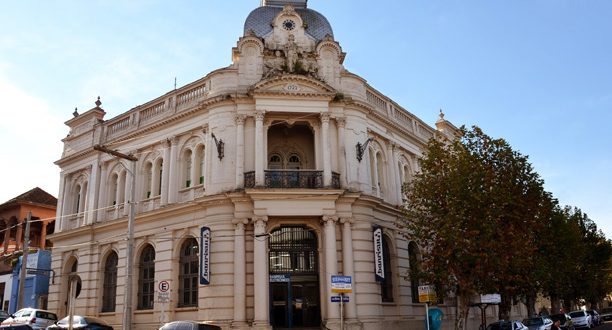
(288, 24)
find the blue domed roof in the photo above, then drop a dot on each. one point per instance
(260, 22)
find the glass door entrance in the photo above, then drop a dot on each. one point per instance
(294, 279)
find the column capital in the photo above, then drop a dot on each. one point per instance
(341, 121)
(240, 119)
(325, 117)
(330, 219)
(348, 220)
(240, 221)
(205, 128)
(257, 218)
(259, 115)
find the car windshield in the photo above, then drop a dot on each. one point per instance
(577, 314)
(529, 322)
(75, 320)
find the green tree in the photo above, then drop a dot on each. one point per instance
(476, 208)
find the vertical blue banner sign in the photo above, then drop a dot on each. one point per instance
(205, 255)
(379, 262)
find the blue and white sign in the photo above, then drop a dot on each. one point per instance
(280, 278)
(205, 255)
(341, 284)
(379, 262)
(337, 299)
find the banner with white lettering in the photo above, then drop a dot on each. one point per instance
(205, 255)
(379, 262)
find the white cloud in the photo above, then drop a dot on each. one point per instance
(30, 141)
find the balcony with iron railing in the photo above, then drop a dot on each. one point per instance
(288, 179)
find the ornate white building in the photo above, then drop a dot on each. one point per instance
(290, 160)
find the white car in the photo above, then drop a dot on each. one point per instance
(581, 319)
(35, 318)
(538, 323)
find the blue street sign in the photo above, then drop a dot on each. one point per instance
(337, 299)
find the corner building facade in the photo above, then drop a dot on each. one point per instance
(287, 158)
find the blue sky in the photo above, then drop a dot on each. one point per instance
(535, 72)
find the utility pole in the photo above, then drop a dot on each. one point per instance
(129, 262)
(24, 260)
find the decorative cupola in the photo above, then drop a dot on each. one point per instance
(81, 126)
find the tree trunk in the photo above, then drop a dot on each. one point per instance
(463, 309)
(504, 307)
(531, 299)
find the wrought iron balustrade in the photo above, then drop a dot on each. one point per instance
(306, 179)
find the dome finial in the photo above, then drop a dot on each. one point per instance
(282, 3)
(98, 102)
(76, 112)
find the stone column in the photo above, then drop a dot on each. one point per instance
(260, 272)
(128, 189)
(326, 150)
(103, 194)
(348, 266)
(239, 274)
(260, 157)
(92, 191)
(59, 220)
(331, 264)
(240, 151)
(398, 175)
(170, 173)
(341, 123)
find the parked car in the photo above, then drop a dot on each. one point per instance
(566, 321)
(606, 314)
(581, 319)
(81, 322)
(36, 318)
(189, 325)
(507, 325)
(538, 323)
(594, 317)
(4, 315)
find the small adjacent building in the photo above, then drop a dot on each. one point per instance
(13, 214)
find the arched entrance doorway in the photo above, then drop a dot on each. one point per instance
(294, 278)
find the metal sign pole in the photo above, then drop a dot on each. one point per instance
(342, 311)
(427, 314)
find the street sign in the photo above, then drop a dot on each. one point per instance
(280, 278)
(341, 284)
(337, 299)
(427, 293)
(163, 286)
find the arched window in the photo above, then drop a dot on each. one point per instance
(187, 180)
(114, 187)
(146, 278)
(109, 290)
(386, 286)
(157, 174)
(77, 198)
(199, 163)
(294, 162)
(380, 174)
(148, 179)
(121, 187)
(276, 162)
(413, 259)
(188, 277)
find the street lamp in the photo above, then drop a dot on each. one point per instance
(129, 263)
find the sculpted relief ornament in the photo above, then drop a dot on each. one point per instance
(291, 59)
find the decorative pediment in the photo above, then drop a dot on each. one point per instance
(293, 85)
